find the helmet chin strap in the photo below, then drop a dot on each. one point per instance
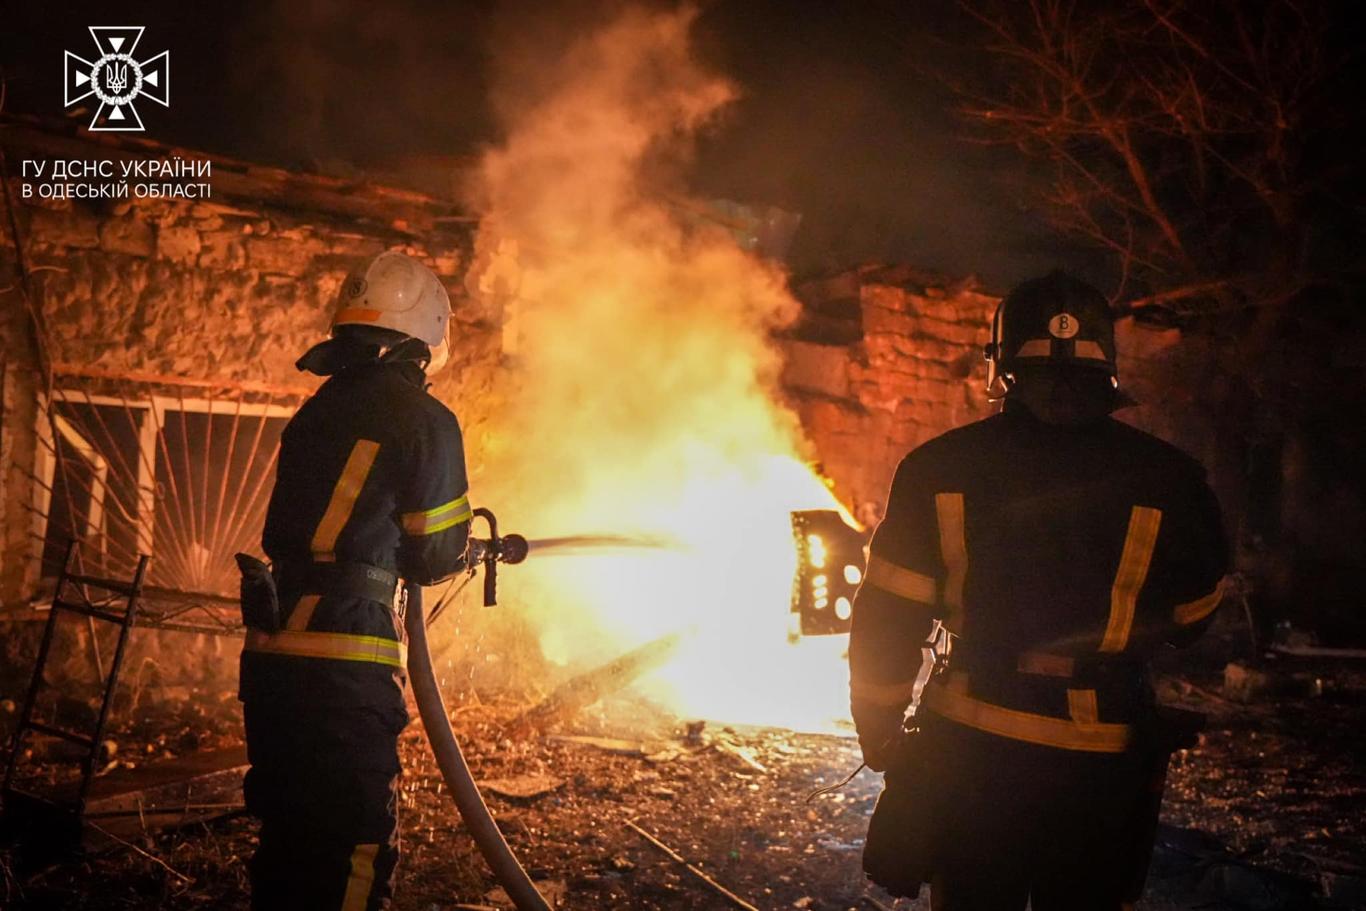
(998, 384)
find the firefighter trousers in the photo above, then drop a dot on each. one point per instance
(324, 784)
(1053, 829)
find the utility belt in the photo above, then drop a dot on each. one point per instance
(261, 613)
(354, 580)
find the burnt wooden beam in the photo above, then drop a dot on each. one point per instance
(581, 691)
(173, 792)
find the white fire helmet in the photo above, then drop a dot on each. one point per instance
(395, 291)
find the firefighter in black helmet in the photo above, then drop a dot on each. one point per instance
(370, 492)
(1026, 569)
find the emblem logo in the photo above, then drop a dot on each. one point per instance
(1064, 325)
(117, 78)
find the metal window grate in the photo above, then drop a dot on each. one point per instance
(178, 471)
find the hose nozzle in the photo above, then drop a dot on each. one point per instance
(507, 549)
(493, 550)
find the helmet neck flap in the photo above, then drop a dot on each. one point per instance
(360, 346)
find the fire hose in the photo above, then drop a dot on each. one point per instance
(455, 771)
(449, 758)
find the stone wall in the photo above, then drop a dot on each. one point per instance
(221, 294)
(208, 297)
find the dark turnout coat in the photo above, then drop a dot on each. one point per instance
(370, 490)
(371, 473)
(1060, 558)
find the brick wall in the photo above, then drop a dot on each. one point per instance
(892, 357)
(913, 370)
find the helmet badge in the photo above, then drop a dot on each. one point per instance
(356, 286)
(1064, 325)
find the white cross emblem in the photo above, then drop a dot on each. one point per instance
(117, 78)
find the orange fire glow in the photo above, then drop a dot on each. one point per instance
(645, 399)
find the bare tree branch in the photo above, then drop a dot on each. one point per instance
(1176, 130)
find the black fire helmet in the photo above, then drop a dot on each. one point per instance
(1053, 320)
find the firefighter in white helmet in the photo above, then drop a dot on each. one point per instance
(370, 492)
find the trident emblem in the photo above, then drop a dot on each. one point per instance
(117, 79)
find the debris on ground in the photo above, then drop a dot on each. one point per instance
(521, 787)
(1267, 811)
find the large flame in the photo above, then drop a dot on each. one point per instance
(646, 396)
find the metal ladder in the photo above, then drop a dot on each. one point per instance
(81, 605)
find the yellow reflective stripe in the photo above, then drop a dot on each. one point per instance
(1200, 608)
(340, 646)
(1036, 347)
(1092, 737)
(441, 518)
(436, 512)
(953, 549)
(344, 495)
(452, 521)
(1081, 706)
(898, 580)
(1129, 578)
(887, 694)
(303, 612)
(1090, 350)
(361, 878)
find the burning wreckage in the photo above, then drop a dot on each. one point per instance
(146, 482)
(698, 454)
(151, 462)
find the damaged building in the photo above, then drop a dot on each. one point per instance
(149, 351)
(875, 457)
(145, 392)
(164, 340)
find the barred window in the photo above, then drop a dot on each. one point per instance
(183, 474)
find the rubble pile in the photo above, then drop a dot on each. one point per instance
(1265, 813)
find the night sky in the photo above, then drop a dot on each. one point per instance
(840, 118)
